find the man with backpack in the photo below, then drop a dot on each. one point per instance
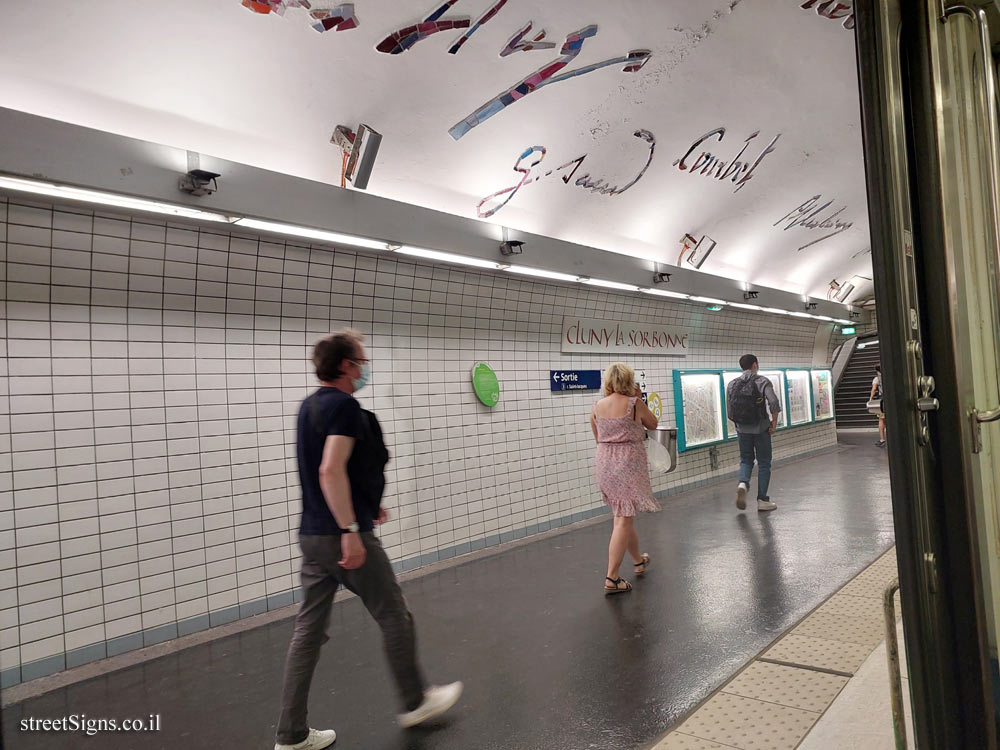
(342, 457)
(753, 406)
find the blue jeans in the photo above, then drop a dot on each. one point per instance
(759, 446)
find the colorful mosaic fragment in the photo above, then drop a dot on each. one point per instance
(341, 18)
(401, 40)
(516, 45)
(634, 61)
(278, 7)
(483, 20)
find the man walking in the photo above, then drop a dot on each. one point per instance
(342, 458)
(752, 405)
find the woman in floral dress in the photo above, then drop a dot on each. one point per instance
(618, 421)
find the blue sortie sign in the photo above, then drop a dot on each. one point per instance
(575, 380)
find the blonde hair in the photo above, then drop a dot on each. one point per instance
(619, 378)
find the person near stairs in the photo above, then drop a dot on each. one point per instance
(753, 406)
(877, 394)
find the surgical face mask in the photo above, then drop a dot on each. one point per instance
(366, 372)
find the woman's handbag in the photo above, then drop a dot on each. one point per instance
(657, 456)
(874, 406)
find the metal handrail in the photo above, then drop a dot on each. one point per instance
(892, 656)
(989, 102)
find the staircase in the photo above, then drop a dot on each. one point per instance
(856, 386)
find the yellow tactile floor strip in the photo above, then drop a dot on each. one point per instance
(774, 702)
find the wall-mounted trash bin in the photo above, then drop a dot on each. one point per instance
(667, 437)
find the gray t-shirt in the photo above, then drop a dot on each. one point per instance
(773, 405)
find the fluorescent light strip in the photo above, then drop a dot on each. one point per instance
(312, 234)
(67, 192)
(464, 260)
(609, 284)
(52, 190)
(665, 293)
(542, 273)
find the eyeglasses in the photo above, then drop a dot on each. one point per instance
(360, 361)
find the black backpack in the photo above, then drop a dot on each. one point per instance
(746, 402)
(369, 457)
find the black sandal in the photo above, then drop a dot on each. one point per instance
(640, 567)
(617, 586)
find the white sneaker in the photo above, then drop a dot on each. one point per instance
(317, 740)
(741, 495)
(437, 700)
(763, 505)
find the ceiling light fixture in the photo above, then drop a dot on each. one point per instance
(464, 260)
(744, 306)
(776, 310)
(709, 300)
(322, 235)
(52, 190)
(665, 293)
(542, 273)
(609, 284)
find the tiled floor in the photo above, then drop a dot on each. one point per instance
(780, 697)
(861, 716)
(549, 662)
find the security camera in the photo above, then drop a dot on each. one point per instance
(511, 247)
(661, 278)
(198, 182)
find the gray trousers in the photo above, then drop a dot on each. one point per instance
(375, 584)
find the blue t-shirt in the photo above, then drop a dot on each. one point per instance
(332, 412)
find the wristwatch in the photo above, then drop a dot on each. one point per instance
(353, 528)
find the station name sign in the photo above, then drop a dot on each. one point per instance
(606, 336)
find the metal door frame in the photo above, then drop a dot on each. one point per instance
(942, 602)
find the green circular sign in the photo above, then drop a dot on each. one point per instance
(485, 384)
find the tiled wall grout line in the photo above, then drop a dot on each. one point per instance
(153, 370)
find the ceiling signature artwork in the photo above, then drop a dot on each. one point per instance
(807, 216)
(403, 39)
(833, 10)
(517, 45)
(341, 18)
(633, 61)
(278, 7)
(738, 172)
(600, 185)
(483, 20)
(634, 64)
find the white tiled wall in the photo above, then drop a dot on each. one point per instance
(150, 378)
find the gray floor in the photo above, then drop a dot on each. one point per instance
(548, 661)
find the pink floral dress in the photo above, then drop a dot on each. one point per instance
(622, 471)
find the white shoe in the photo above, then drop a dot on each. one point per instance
(741, 496)
(317, 740)
(437, 700)
(763, 505)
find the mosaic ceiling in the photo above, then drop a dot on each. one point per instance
(622, 124)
